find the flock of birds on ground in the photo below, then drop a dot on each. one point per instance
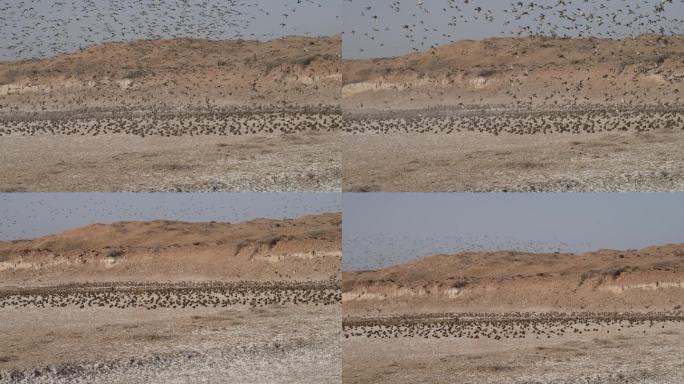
(524, 123)
(187, 124)
(168, 295)
(227, 124)
(419, 25)
(40, 28)
(511, 325)
(393, 28)
(179, 18)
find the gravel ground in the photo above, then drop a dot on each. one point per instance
(294, 362)
(271, 344)
(641, 354)
(308, 161)
(481, 162)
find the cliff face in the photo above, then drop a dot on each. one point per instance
(606, 280)
(515, 72)
(183, 74)
(307, 248)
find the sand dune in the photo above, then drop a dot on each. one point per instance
(278, 101)
(606, 280)
(307, 248)
(538, 96)
(180, 74)
(516, 72)
(156, 301)
(604, 317)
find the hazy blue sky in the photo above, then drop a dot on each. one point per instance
(28, 215)
(37, 28)
(380, 28)
(390, 228)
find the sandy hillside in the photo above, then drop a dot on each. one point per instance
(307, 248)
(606, 280)
(168, 302)
(521, 72)
(176, 74)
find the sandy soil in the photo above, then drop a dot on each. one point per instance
(599, 317)
(279, 344)
(548, 85)
(179, 74)
(521, 72)
(306, 248)
(554, 162)
(173, 302)
(606, 280)
(264, 162)
(96, 112)
(641, 354)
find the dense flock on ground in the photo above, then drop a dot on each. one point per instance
(508, 325)
(525, 122)
(173, 295)
(223, 123)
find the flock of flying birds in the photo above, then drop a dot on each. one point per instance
(418, 25)
(509, 325)
(40, 28)
(180, 295)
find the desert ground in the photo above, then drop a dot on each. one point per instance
(308, 161)
(487, 115)
(141, 302)
(553, 162)
(177, 99)
(600, 317)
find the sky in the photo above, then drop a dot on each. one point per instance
(29, 215)
(40, 28)
(383, 229)
(371, 28)
(383, 28)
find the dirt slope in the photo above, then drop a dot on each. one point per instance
(307, 248)
(516, 72)
(606, 280)
(177, 74)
